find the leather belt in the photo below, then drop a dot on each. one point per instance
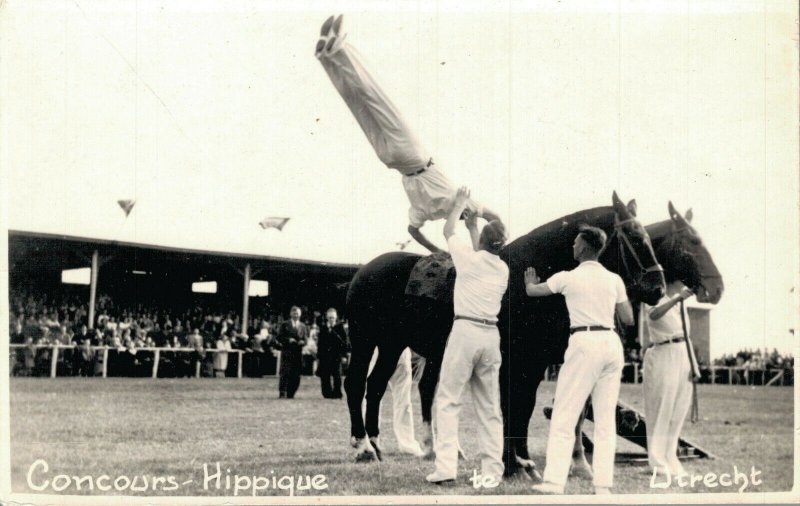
(420, 171)
(668, 341)
(482, 321)
(587, 328)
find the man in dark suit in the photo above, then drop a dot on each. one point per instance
(291, 338)
(332, 347)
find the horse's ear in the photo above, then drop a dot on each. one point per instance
(619, 207)
(689, 215)
(673, 214)
(632, 207)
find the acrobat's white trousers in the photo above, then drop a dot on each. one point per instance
(400, 385)
(667, 399)
(472, 356)
(592, 365)
(391, 138)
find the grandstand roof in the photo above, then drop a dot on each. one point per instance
(31, 252)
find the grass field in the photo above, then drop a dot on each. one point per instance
(160, 428)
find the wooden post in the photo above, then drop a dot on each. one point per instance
(239, 364)
(156, 357)
(730, 376)
(246, 299)
(635, 373)
(713, 374)
(93, 287)
(105, 361)
(53, 361)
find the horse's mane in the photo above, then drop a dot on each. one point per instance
(659, 231)
(555, 229)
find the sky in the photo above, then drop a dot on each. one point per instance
(214, 115)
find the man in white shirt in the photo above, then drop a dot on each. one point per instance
(429, 191)
(593, 361)
(667, 380)
(472, 354)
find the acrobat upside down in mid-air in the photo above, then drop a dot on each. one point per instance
(429, 191)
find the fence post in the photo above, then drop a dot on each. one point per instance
(239, 364)
(730, 376)
(635, 373)
(156, 357)
(105, 361)
(713, 374)
(54, 361)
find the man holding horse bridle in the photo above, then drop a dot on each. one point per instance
(472, 355)
(592, 364)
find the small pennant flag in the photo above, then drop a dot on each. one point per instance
(402, 245)
(126, 205)
(273, 222)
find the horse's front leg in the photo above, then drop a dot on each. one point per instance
(520, 401)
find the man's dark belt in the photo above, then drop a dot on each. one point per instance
(482, 321)
(423, 169)
(587, 328)
(668, 341)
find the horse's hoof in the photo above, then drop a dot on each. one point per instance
(528, 467)
(374, 442)
(365, 452)
(354, 441)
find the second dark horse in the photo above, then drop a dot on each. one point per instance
(381, 315)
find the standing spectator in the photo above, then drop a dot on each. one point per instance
(310, 349)
(221, 357)
(86, 358)
(291, 338)
(332, 347)
(196, 343)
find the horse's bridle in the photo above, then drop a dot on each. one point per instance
(625, 242)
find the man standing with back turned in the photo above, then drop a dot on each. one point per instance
(593, 361)
(472, 354)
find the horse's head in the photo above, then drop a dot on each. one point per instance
(686, 258)
(636, 261)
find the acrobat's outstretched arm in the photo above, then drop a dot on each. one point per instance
(417, 234)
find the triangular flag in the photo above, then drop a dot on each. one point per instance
(273, 222)
(126, 205)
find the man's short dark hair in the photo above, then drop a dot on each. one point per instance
(493, 236)
(593, 237)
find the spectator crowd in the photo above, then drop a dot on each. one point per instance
(130, 333)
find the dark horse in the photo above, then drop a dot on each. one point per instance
(381, 315)
(682, 253)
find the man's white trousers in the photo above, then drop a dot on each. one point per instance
(592, 366)
(472, 356)
(667, 400)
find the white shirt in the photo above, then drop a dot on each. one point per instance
(592, 293)
(481, 281)
(668, 326)
(431, 196)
